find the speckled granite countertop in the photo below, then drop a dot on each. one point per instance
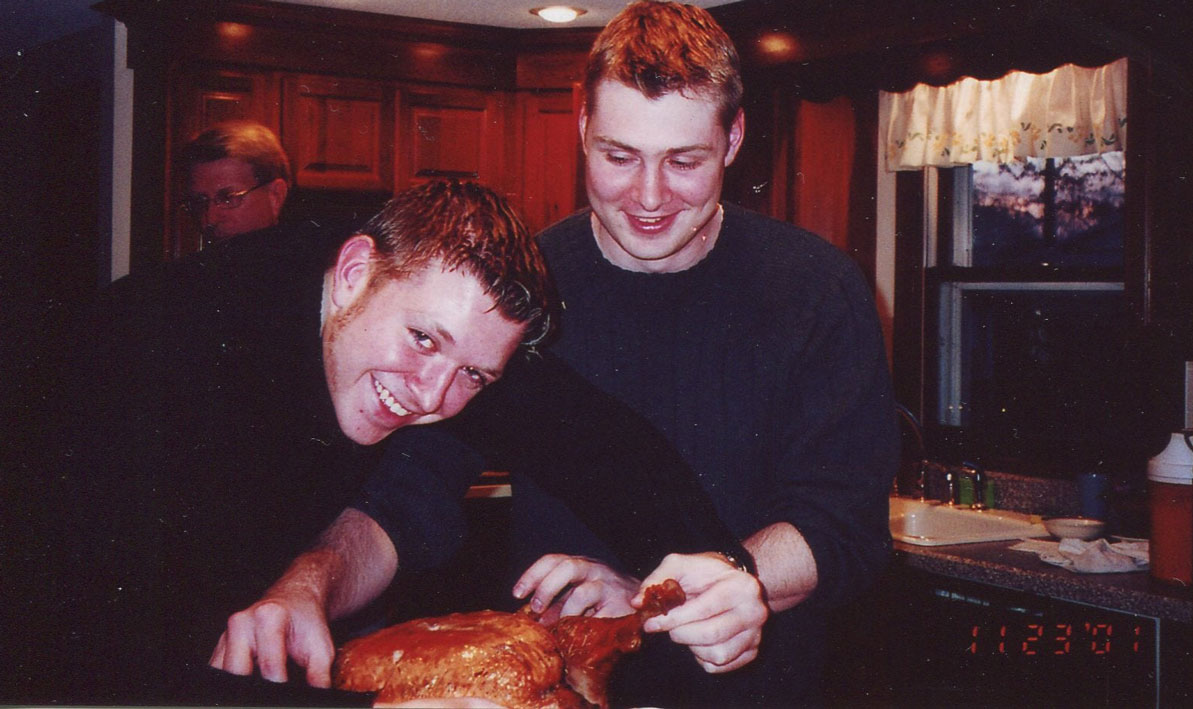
(996, 564)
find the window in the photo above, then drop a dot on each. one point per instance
(1026, 317)
(1064, 212)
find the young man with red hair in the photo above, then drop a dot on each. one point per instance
(753, 346)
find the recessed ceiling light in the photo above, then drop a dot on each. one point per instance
(558, 13)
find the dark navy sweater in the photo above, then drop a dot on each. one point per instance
(764, 366)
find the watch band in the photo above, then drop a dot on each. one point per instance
(743, 561)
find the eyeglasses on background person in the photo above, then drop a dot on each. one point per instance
(197, 205)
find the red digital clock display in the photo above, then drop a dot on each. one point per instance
(960, 643)
(1034, 637)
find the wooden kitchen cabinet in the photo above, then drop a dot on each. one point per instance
(452, 133)
(338, 132)
(209, 96)
(365, 104)
(552, 186)
(351, 141)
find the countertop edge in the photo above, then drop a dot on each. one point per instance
(993, 563)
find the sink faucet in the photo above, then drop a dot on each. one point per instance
(979, 484)
(951, 488)
(921, 480)
(912, 425)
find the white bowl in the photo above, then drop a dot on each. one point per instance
(1074, 527)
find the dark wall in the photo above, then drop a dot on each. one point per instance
(54, 124)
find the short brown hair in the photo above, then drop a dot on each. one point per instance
(664, 47)
(467, 226)
(243, 140)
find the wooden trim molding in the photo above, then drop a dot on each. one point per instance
(303, 38)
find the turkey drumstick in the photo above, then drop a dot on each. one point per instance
(591, 646)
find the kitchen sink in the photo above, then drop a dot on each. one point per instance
(930, 523)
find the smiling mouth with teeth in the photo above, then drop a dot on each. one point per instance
(388, 399)
(651, 225)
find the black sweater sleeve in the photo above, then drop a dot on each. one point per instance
(838, 445)
(612, 468)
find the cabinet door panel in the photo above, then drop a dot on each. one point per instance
(551, 184)
(338, 133)
(447, 142)
(218, 106)
(455, 133)
(209, 96)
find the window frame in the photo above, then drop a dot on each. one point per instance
(950, 275)
(935, 204)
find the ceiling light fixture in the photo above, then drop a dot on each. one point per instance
(558, 13)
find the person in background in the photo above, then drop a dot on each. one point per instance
(751, 346)
(236, 178)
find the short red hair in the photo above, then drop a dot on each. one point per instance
(664, 47)
(466, 226)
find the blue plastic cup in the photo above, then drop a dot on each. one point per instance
(1094, 489)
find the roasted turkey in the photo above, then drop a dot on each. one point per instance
(507, 658)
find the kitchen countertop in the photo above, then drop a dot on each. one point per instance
(994, 563)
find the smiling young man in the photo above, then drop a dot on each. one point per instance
(450, 341)
(752, 345)
(654, 171)
(211, 417)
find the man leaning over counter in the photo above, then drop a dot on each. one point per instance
(207, 419)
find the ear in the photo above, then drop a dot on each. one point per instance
(352, 271)
(583, 125)
(277, 191)
(737, 133)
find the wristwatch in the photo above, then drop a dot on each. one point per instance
(741, 560)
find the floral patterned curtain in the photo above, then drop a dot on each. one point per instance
(1069, 111)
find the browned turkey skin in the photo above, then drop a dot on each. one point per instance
(506, 658)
